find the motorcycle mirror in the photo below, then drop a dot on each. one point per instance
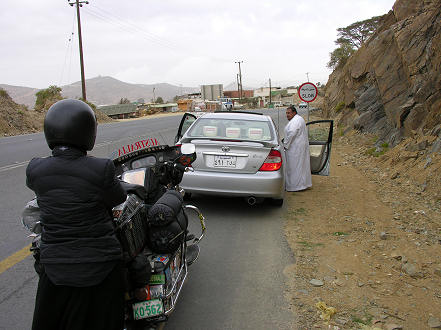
(188, 148)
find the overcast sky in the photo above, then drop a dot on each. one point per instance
(186, 43)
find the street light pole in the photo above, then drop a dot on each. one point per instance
(83, 81)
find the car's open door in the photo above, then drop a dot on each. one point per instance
(320, 142)
(186, 122)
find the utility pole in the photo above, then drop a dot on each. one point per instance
(307, 75)
(240, 78)
(270, 101)
(83, 81)
(154, 100)
(238, 85)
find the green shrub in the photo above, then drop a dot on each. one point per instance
(375, 152)
(339, 106)
(3, 93)
(370, 151)
(47, 97)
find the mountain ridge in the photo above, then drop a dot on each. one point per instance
(102, 90)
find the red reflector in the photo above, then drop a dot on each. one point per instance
(273, 162)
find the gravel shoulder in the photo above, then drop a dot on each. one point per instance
(367, 241)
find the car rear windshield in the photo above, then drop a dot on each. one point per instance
(232, 129)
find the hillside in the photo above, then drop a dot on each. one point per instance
(391, 86)
(16, 118)
(21, 95)
(102, 90)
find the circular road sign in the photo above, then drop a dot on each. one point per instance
(307, 92)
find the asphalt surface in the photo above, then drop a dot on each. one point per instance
(237, 282)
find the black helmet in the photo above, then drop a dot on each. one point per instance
(71, 123)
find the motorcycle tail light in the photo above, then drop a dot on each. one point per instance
(142, 293)
(273, 161)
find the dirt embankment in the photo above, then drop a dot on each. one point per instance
(367, 239)
(17, 119)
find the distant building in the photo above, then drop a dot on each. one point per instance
(185, 104)
(194, 96)
(120, 111)
(235, 94)
(212, 92)
(165, 107)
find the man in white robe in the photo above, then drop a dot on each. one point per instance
(296, 144)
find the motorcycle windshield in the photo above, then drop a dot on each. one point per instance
(137, 152)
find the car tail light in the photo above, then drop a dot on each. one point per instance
(273, 162)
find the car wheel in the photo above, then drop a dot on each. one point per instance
(276, 202)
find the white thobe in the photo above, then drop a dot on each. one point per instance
(296, 144)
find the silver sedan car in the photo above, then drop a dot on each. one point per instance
(238, 154)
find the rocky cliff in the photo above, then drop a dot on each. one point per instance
(392, 85)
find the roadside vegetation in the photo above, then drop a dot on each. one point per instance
(351, 38)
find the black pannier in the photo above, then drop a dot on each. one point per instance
(167, 223)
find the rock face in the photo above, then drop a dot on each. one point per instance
(392, 85)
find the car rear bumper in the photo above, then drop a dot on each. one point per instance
(261, 184)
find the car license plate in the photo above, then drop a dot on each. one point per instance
(145, 309)
(224, 161)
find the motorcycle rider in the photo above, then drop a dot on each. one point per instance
(81, 286)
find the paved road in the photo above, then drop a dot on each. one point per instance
(237, 283)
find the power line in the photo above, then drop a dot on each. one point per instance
(129, 27)
(133, 29)
(152, 36)
(68, 48)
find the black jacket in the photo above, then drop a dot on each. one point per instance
(75, 193)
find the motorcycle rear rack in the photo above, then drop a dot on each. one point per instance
(177, 286)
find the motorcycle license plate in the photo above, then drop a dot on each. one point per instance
(224, 161)
(146, 309)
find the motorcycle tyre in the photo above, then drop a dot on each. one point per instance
(144, 326)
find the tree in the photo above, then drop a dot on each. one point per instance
(339, 56)
(357, 33)
(159, 100)
(47, 97)
(351, 38)
(124, 100)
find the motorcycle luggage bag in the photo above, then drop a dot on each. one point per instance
(167, 223)
(166, 209)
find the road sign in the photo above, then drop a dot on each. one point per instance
(307, 92)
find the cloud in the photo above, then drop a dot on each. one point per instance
(190, 43)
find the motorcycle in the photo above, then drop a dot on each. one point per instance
(152, 226)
